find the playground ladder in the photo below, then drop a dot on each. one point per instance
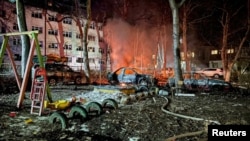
(37, 93)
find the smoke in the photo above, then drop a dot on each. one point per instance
(134, 46)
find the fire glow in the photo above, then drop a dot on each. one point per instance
(133, 46)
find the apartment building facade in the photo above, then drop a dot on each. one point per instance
(58, 35)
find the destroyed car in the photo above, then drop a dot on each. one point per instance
(58, 72)
(130, 76)
(196, 82)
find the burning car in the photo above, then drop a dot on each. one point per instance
(129, 75)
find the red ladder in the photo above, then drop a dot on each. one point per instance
(38, 91)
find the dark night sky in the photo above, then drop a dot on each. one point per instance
(147, 24)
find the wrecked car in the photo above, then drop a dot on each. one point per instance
(129, 75)
(196, 82)
(58, 72)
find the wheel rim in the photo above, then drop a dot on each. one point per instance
(52, 82)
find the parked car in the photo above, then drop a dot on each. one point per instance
(212, 72)
(58, 72)
(197, 82)
(129, 75)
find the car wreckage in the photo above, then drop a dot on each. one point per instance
(196, 82)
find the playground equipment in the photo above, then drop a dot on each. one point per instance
(38, 91)
(34, 45)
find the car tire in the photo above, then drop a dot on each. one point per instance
(216, 76)
(143, 82)
(52, 81)
(78, 81)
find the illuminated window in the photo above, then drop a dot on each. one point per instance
(213, 52)
(230, 51)
(192, 54)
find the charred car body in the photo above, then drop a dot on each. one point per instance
(130, 76)
(195, 82)
(58, 72)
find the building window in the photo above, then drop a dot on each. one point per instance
(79, 60)
(79, 48)
(16, 41)
(69, 59)
(99, 27)
(67, 21)
(82, 23)
(91, 60)
(92, 25)
(230, 51)
(67, 34)
(53, 45)
(36, 15)
(101, 50)
(101, 40)
(17, 57)
(214, 52)
(91, 49)
(2, 13)
(67, 47)
(40, 29)
(52, 32)
(78, 35)
(15, 26)
(2, 30)
(91, 38)
(40, 44)
(14, 11)
(52, 18)
(101, 62)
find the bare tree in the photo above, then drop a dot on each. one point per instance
(225, 21)
(176, 39)
(24, 38)
(83, 36)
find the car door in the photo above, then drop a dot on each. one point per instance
(67, 74)
(129, 76)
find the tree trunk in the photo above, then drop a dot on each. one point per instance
(84, 44)
(176, 39)
(85, 49)
(24, 38)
